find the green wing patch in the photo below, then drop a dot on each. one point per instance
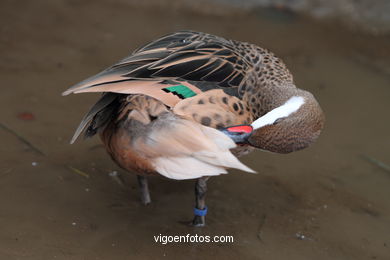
(181, 91)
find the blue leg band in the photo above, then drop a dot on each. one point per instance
(200, 212)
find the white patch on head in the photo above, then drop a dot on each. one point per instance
(291, 106)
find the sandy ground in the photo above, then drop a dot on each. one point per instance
(329, 193)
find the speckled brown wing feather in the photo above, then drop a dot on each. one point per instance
(214, 108)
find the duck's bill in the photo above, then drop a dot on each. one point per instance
(238, 133)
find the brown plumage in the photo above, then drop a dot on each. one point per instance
(161, 107)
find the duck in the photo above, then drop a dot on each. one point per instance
(189, 104)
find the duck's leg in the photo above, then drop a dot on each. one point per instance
(144, 189)
(200, 209)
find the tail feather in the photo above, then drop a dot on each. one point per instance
(224, 159)
(182, 168)
(182, 149)
(222, 141)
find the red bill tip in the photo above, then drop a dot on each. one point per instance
(240, 129)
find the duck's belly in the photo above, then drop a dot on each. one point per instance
(118, 144)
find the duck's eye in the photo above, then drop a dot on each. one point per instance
(277, 121)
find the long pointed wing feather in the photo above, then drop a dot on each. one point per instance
(183, 55)
(102, 103)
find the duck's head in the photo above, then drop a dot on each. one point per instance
(290, 126)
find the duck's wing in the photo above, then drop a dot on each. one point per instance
(185, 55)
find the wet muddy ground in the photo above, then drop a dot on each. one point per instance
(330, 201)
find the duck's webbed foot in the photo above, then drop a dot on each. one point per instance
(144, 189)
(200, 209)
